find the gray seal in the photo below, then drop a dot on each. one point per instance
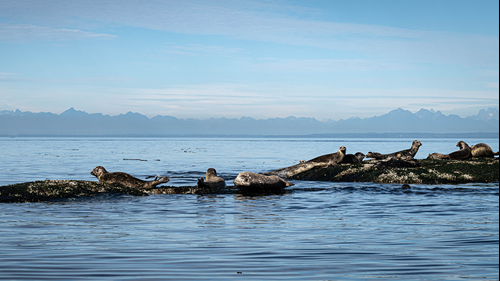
(125, 179)
(211, 180)
(407, 154)
(323, 161)
(257, 182)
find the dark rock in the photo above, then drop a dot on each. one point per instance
(395, 163)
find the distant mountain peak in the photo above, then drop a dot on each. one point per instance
(424, 113)
(486, 115)
(73, 112)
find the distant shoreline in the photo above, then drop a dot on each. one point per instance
(482, 135)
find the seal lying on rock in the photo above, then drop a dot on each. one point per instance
(125, 179)
(462, 154)
(211, 180)
(407, 154)
(353, 159)
(437, 155)
(250, 182)
(482, 150)
(321, 161)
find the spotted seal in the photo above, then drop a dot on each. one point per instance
(407, 154)
(482, 150)
(323, 161)
(247, 181)
(211, 180)
(125, 179)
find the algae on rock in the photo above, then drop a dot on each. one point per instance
(39, 191)
(483, 170)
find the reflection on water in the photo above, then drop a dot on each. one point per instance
(315, 231)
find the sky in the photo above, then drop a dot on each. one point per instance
(326, 59)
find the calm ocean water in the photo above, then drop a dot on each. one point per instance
(316, 231)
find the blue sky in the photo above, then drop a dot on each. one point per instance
(325, 59)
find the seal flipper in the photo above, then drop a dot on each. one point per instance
(161, 180)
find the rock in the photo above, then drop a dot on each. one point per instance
(395, 163)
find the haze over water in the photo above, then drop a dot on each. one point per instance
(315, 231)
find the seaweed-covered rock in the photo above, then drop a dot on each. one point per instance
(425, 171)
(395, 163)
(53, 189)
(39, 191)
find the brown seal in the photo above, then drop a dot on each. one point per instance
(211, 180)
(407, 154)
(125, 179)
(463, 153)
(323, 161)
(482, 150)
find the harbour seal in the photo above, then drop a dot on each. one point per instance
(482, 150)
(251, 182)
(125, 179)
(407, 154)
(323, 161)
(211, 180)
(353, 158)
(437, 155)
(463, 153)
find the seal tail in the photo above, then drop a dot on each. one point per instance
(496, 153)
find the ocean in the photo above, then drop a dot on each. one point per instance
(315, 231)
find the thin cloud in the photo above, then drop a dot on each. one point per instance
(261, 22)
(200, 49)
(493, 85)
(324, 65)
(16, 33)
